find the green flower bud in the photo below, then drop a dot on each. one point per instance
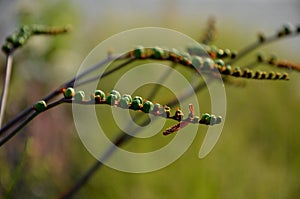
(220, 62)
(112, 99)
(158, 53)
(100, 94)
(79, 96)
(69, 93)
(139, 52)
(136, 103)
(213, 119)
(147, 107)
(125, 101)
(219, 120)
(208, 64)
(205, 119)
(197, 62)
(116, 93)
(40, 106)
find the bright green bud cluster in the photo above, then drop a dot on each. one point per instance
(210, 119)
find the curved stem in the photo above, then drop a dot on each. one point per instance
(16, 120)
(6, 82)
(257, 44)
(18, 128)
(121, 139)
(29, 118)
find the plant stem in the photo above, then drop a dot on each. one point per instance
(255, 45)
(18, 128)
(8, 69)
(121, 139)
(27, 120)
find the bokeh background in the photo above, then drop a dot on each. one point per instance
(257, 155)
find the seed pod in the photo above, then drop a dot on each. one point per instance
(233, 54)
(12, 38)
(220, 62)
(271, 75)
(158, 53)
(173, 54)
(288, 28)
(213, 120)
(116, 93)
(237, 72)
(167, 111)
(40, 106)
(263, 75)
(260, 57)
(178, 115)
(137, 103)
(125, 101)
(158, 109)
(261, 37)
(139, 52)
(285, 76)
(112, 99)
(219, 120)
(208, 64)
(220, 53)
(226, 70)
(7, 48)
(257, 75)
(227, 53)
(196, 119)
(147, 107)
(197, 62)
(69, 93)
(205, 119)
(99, 93)
(98, 96)
(277, 75)
(79, 96)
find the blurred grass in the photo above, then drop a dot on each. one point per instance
(255, 157)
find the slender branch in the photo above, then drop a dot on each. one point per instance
(6, 82)
(105, 73)
(121, 139)
(55, 93)
(29, 118)
(18, 128)
(16, 120)
(249, 48)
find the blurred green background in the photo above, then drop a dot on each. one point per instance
(257, 155)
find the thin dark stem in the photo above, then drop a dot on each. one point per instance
(257, 44)
(57, 92)
(70, 83)
(121, 139)
(8, 69)
(18, 128)
(106, 73)
(16, 120)
(29, 118)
